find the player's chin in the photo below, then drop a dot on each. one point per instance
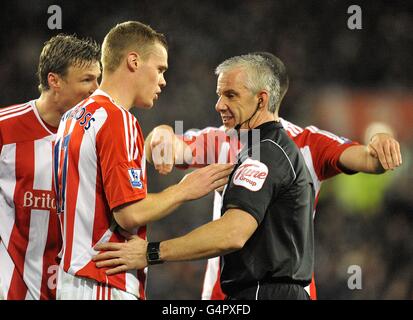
(147, 104)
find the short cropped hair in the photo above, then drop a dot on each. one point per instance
(130, 35)
(280, 72)
(63, 51)
(259, 75)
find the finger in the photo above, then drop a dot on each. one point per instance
(395, 151)
(109, 263)
(220, 189)
(222, 174)
(167, 168)
(116, 270)
(155, 142)
(216, 167)
(382, 157)
(372, 151)
(162, 172)
(388, 155)
(105, 256)
(113, 246)
(220, 183)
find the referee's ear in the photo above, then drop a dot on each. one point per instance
(263, 99)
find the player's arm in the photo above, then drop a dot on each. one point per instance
(219, 237)
(381, 154)
(155, 206)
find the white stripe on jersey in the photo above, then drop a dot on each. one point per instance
(8, 185)
(330, 135)
(291, 128)
(306, 152)
(33, 267)
(13, 109)
(132, 137)
(125, 126)
(143, 162)
(135, 136)
(223, 153)
(26, 110)
(132, 282)
(210, 277)
(43, 152)
(211, 273)
(7, 268)
(85, 202)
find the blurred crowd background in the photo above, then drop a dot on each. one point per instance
(341, 80)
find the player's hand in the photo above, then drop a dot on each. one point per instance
(120, 257)
(163, 149)
(386, 149)
(202, 181)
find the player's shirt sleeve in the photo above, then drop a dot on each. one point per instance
(205, 146)
(326, 149)
(255, 182)
(119, 146)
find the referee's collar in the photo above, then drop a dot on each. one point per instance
(269, 126)
(264, 129)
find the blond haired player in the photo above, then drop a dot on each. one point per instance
(100, 166)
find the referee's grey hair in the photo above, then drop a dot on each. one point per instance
(259, 76)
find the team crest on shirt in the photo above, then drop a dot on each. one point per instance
(135, 178)
(251, 174)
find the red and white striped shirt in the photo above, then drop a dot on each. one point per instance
(99, 165)
(321, 151)
(29, 227)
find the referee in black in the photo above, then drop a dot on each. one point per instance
(277, 260)
(265, 233)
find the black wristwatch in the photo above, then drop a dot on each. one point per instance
(152, 253)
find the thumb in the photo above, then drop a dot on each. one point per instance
(372, 151)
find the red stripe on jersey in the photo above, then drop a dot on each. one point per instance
(103, 291)
(217, 293)
(142, 281)
(20, 233)
(313, 291)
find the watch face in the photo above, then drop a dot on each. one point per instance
(153, 256)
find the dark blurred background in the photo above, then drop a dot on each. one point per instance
(341, 80)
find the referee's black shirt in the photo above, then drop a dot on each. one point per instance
(282, 201)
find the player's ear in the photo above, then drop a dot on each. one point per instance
(54, 81)
(133, 60)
